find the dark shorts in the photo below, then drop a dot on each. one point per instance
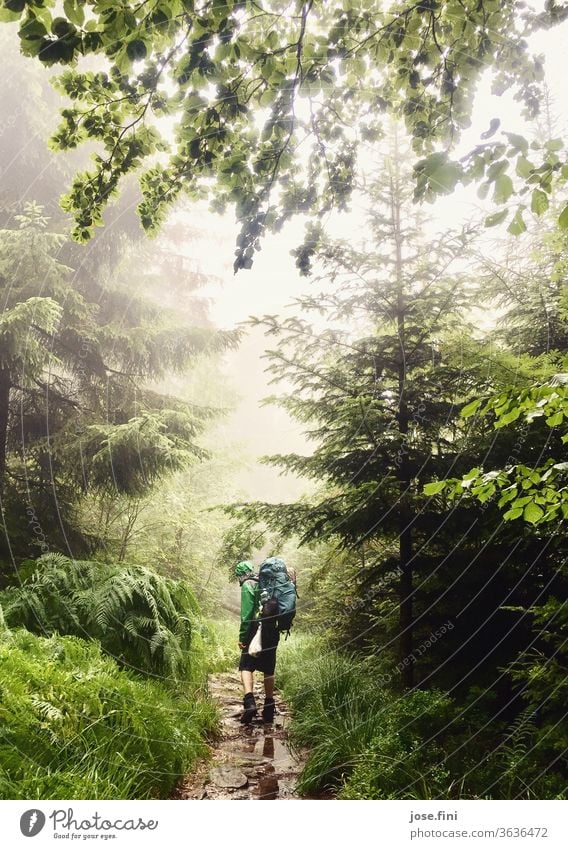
(266, 660)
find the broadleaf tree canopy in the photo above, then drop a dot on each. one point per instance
(272, 99)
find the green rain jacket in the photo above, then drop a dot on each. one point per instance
(250, 606)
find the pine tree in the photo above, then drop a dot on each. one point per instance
(78, 354)
(381, 398)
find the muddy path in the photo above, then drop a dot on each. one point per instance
(250, 762)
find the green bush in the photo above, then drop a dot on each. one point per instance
(403, 760)
(142, 619)
(363, 740)
(73, 725)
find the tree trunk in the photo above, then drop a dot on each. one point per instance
(406, 657)
(5, 386)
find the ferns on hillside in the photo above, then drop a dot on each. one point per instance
(142, 619)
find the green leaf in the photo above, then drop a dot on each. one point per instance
(524, 167)
(136, 50)
(554, 144)
(515, 513)
(518, 142)
(517, 225)
(7, 15)
(507, 418)
(496, 218)
(444, 178)
(74, 11)
(533, 513)
(556, 419)
(507, 496)
(471, 408)
(539, 202)
(434, 488)
(503, 189)
(563, 218)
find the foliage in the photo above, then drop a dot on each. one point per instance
(78, 413)
(24, 330)
(75, 726)
(215, 66)
(220, 645)
(365, 741)
(143, 620)
(360, 736)
(538, 494)
(526, 286)
(240, 541)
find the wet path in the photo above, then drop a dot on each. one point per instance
(248, 762)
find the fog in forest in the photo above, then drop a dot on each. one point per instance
(378, 395)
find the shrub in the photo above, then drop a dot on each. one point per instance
(219, 639)
(403, 760)
(363, 740)
(76, 726)
(336, 710)
(140, 618)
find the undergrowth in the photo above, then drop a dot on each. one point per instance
(76, 726)
(364, 739)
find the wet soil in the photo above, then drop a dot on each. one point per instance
(251, 762)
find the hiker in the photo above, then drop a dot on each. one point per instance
(266, 661)
(270, 599)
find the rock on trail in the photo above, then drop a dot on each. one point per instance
(248, 762)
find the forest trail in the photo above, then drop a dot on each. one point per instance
(248, 762)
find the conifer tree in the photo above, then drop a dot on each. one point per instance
(89, 421)
(381, 388)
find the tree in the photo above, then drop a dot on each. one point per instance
(383, 407)
(77, 355)
(530, 291)
(215, 64)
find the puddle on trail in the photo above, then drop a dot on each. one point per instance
(249, 762)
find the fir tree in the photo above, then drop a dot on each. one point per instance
(89, 421)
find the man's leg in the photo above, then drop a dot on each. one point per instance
(248, 681)
(269, 686)
(249, 704)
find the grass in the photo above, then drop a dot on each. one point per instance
(363, 741)
(76, 726)
(219, 640)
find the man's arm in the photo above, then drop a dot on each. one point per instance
(249, 607)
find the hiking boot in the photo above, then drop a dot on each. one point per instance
(268, 710)
(249, 709)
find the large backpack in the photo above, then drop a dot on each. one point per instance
(277, 593)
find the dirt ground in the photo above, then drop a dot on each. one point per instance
(251, 762)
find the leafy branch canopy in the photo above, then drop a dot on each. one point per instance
(272, 100)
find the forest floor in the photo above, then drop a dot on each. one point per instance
(247, 761)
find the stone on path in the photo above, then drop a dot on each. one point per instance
(268, 787)
(226, 776)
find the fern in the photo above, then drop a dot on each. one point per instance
(142, 619)
(519, 742)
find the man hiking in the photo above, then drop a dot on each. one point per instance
(264, 662)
